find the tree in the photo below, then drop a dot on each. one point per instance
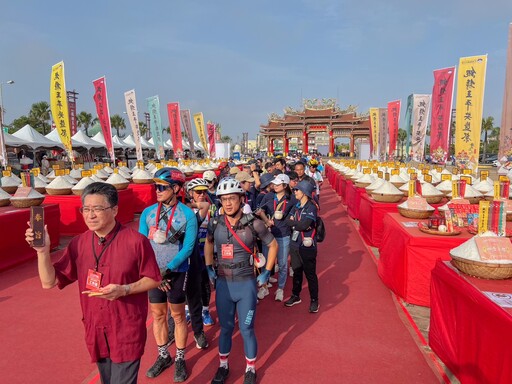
(84, 119)
(20, 122)
(402, 137)
(40, 114)
(226, 139)
(117, 122)
(487, 125)
(143, 128)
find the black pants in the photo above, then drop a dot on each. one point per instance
(118, 373)
(303, 260)
(206, 289)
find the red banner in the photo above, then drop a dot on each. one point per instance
(173, 110)
(100, 98)
(393, 123)
(442, 98)
(210, 127)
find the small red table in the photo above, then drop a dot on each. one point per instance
(14, 249)
(407, 257)
(469, 332)
(71, 220)
(144, 195)
(353, 198)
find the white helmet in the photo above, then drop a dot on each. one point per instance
(229, 185)
(209, 175)
(197, 184)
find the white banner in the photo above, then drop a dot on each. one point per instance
(131, 110)
(420, 113)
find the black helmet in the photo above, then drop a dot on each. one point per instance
(170, 176)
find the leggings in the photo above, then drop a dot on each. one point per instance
(239, 296)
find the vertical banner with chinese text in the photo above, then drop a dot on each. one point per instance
(470, 103)
(383, 133)
(210, 127)
(187, 127)
(505, 149)
(100, 98)
(131, 110)
(59, 106)
(156, 125)
(393, 123)
(442, 99)
(173, 110)
(408, 127)
(199, 123)
(420, 110)
(374, 131)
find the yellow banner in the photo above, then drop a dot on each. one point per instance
(59, 107)
(470, 103)
(374, 130)
(199, 123)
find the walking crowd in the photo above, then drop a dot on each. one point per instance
(241, 233)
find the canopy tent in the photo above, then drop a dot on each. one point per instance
(198, 146)
(101, 139)
(130, 141)
(146, 144)
(117, 140)
(152, 143)
(54, 136)
(85, 141)
(168, 143)
(13, 141)
(34, 139)
(185, 145)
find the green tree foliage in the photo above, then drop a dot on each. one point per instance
(402, 137)
(84, 119)
(117, 122)
(40, 115)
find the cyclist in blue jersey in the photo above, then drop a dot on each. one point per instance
(172, 229)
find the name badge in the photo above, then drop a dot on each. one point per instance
(151, 233)
(93, 282)
(227, 251)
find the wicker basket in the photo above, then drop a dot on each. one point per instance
(482, 269)
(5, 202)
(121, 186)
(59, 191)
(142, 181)
(414, 214)
(41, 190)
(381, 198)
(362, 185)
(399, 184)
(25, 203)
(10, 189)
(77, 192)
(434, 199)
(509, 216)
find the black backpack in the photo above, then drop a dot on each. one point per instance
(320, 229)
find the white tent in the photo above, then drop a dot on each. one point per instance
(152, 143)
(168, 143)
(34, 139)
(117, 140)
(101, 139)
(54, 136)
(185, 145)
(146, 144)
(85, 141)
(130, 141)
(13, 141)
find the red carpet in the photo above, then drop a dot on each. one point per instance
(357, 336)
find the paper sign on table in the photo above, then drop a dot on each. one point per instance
(494, 248)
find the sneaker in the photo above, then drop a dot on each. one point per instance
(250, 377)
(279, 294)
(292, 301)
(161, 364)
(269, 285)
(220, 376)
(273, 280)
(201, 342)
(207, 318)
(313, 307)
(262, 292)
(187, 315)
(180, 371)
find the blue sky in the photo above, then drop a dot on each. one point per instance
(238, 61)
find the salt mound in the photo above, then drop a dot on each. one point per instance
(60, 182)
(142, 175)
(445, 186)
(43, 178)
(84, 182)
(150, 166)
(76, 173)
(469, 250)
(4, 195)
(9, 181)
(405, 205)
(428, 189)
(116, 178)
(484, 186)
(51, 175)
(366, 179)
(126, 175)
(396, 179)
(125, 169)
(38, 183)
(70, 179)
(108, 169)
(470, 192)
(102, 174)
(96, 179)
(388, 189)
(376, 184)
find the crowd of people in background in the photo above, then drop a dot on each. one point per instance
(243, 232)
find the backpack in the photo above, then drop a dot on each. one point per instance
(320, 229)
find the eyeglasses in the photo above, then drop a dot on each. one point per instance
(96, 210)
(296, 189)
(161, 187)
(200, 192)
(229, 199)
(210, 181)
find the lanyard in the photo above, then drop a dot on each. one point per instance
(298, 219)
(242, 244)
(169, 223)
(98, 258)
(282, 202)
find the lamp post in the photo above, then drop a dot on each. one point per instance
(2, 103)
(3, 151)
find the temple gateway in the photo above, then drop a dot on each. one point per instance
(320, 119)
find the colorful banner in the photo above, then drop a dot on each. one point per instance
(156, 125)
(187, 127)
(374, 131)
(383, 133)
(506, 115)
(101, 100)
(211, 138)
(199, 123)
(408, 126)
(133, 115)
(59, 107)
(420, 110)
(173, 110)
(442, 99)
(393, 124)
(470, 103)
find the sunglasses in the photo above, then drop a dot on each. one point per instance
(200, 192)
(162, 188)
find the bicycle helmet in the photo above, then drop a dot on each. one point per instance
(228, 186)
(197, 184)
(169, 176)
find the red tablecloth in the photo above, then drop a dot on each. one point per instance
(470, 333)
(71, 220)
(13, 223)
(353, 198)
(407, 257)
(341, 188)
(144, 195)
